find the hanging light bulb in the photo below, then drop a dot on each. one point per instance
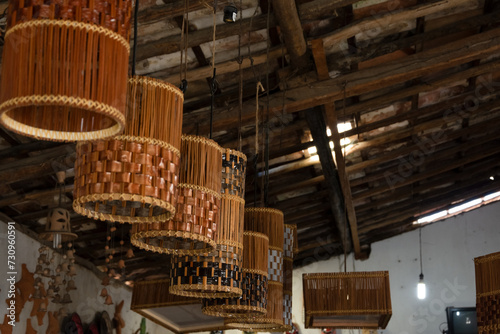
(421, 291)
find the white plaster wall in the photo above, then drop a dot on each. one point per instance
(86, 299)
(449, 249)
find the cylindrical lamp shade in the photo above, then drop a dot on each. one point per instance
(288, 277)
(271, 223)
(253, 301)
(133, 178)
(64, 69)
(234, 166)
(192, 229)
(487, 270)
(216, 274)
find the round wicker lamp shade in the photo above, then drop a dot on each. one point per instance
(192, 229)
(64, 69)
(253, 301)
(218, 274)
(133, 178)
(271, 223)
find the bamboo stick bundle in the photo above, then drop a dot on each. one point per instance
(253, 301)
(64, 69)
(133, 178)
(347, 300)
(193, 228)
(487, 269)
(218, 274)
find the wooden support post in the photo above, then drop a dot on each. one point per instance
(317, 125)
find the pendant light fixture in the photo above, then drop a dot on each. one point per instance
(218, 274)
(253, 302)
(64, 69)
(192, 229)
(289, 242)
(270, 222)
(421, 290)
(132, 178)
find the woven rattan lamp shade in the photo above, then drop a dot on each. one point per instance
(64, 69)
(347, 300)
(253, 301)
(218, 274)
(192, 229)
(271, 223)
(488, 293)
(133, 178)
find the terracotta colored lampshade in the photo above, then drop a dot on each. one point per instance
(218, 274)
(64, 69)
(347, 300)
(58, 227)
(269, 222)
(487, 270)
(192, 229)
(133, 178)
(253, 301)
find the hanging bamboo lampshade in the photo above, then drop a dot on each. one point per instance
(192, 229)
(64, 69)
(152, 300)
(289, 243)
(253, 301)
(218, 274)
(133, 178)
(347, 300)
(270, 222)
(487, 270)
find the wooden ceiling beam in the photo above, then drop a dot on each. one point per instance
(434, 189)
(317, 125)
(479, 153)
(378, 20)
(371, 79)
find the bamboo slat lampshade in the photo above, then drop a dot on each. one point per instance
(64, 69)
(271, 223)
(192, 229)
(347, 300)
(133, 178)
(487, 270)
(152, 300)
(218, 274)
(289, 243)
(253, 301)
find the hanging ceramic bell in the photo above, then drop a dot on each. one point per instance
(50, 293)
(66, 299)
(70, 254)
(46, 272)
(37, 294)
(42, 307)
(121, 264)
(72, 270)
(39, 269)
(71, 285)
(57, 280)
(105, 281)
(65, 267)
(108, 300)
(57, 299)
(58, 268)
(104, 292)
(38, 282)
(130, 253)
(58, 227)
(42, 259)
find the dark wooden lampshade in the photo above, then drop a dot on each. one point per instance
(488, 293)
(347, 300)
